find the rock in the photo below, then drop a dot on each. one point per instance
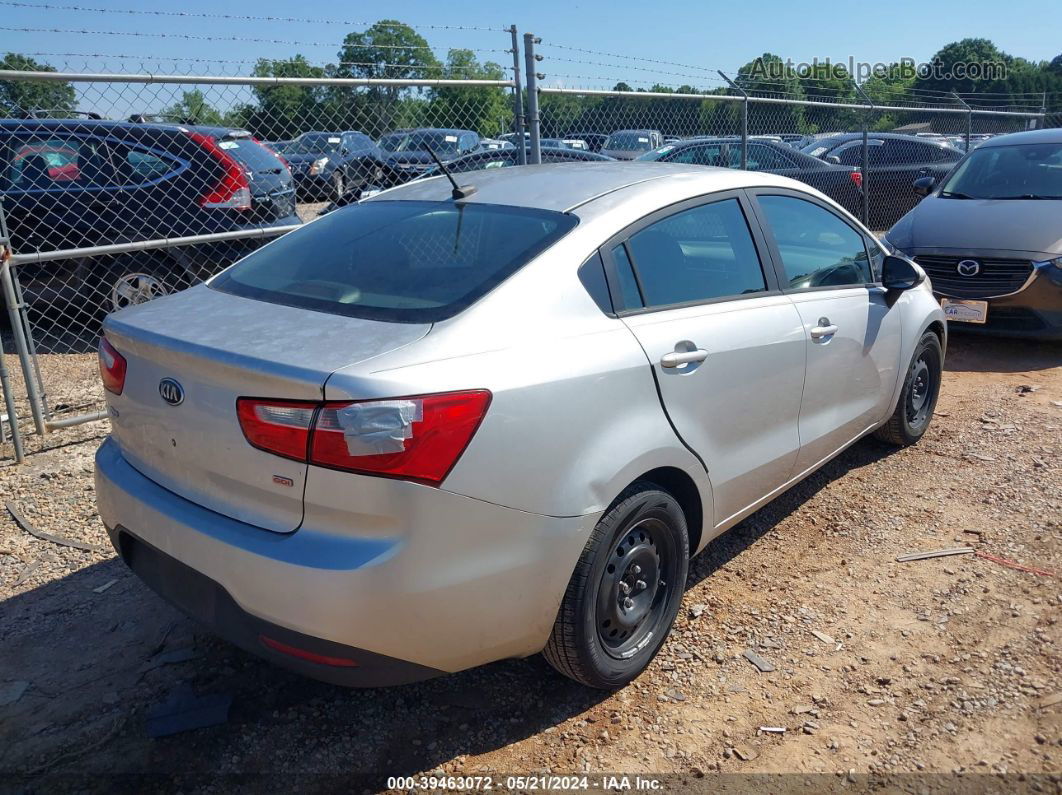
(876, 702)
(698, 610)
(764, 666)
(745, 753)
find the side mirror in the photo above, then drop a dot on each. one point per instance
(900, 273)
(923, 186)
(833, 159)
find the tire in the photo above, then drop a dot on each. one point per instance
(605, 636)
(921, 387)
(339, 186)
(135, 280)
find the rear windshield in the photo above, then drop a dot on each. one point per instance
(628, 140)
(402, 261)
(255, 156)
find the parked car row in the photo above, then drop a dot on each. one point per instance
(81, 183)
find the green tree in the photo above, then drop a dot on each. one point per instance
(388, 50)
(486, 109)
(19, 98)
(193, 108)
(769, 76)
(284, 111)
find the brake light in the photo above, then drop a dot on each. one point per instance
(857, 178)
(234, 189)
(112, 367)
(417, 438)
(281, 427)
(303, 654)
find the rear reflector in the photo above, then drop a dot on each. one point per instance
(112, 367)
(417, 438)
(303, 654)
(857, 178)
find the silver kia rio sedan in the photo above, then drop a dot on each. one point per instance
(443, 427)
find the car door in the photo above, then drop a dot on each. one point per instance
(695, 286)
(851, 333)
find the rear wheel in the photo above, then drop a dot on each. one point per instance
(921, 386)
(625, 592)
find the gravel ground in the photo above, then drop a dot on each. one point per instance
(948, 666)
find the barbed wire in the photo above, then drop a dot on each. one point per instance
(241, 17)
(253, 40)
(185, 59)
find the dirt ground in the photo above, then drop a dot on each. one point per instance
(946, 666)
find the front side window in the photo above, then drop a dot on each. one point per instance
(817, 248)
(1018, 171)
(705, 155)
(760, 158)
(698, 254)
(402, 261)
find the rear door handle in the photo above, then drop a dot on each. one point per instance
(679, 358)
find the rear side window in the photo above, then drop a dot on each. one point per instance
(402, 261)
(818, 249)
(52, 162)
(696, 255)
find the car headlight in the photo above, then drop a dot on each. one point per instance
(317, 166)
(1053, 268)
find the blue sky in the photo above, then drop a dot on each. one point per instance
(695, 32)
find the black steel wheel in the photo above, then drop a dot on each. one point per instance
(625, 592)
(914, 410)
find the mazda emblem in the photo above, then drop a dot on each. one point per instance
(171, 391)
(968, 267)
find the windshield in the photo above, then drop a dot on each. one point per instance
(319, 144)
(253, 155)
(628, 141)
(1021, 171)
(440, 142)
(402, 261)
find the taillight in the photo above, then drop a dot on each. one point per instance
(277, 426)
(234, 189)
(417, 438)
(857, 178)
(112, 367)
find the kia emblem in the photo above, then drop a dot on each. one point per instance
(171, 391)
(968, 267)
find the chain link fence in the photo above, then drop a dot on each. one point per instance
(135, 185)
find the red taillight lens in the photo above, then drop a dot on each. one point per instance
(417, 438)
(234, 189)
(303, 654)
(277, 426)
(857, 178)
(112, 367)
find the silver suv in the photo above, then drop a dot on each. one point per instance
(443, 427)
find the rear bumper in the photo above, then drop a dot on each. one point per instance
(462, 583)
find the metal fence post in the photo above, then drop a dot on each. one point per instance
(532, 96)
(865, 156)
(518, 99)
(744, 120)
(969, 118)
(5, 380)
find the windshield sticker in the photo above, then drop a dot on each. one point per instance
(642, 140)
(332, 140)
(451, 139)
(227, 145)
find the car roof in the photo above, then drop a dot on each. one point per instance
(841, 137)
(1051, 135)
(562, 187)
(453, 130)
(85, 124)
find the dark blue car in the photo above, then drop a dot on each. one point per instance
(328, 164)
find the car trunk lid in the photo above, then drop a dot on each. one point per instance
(219, 347)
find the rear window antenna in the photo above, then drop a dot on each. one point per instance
(459, 191)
